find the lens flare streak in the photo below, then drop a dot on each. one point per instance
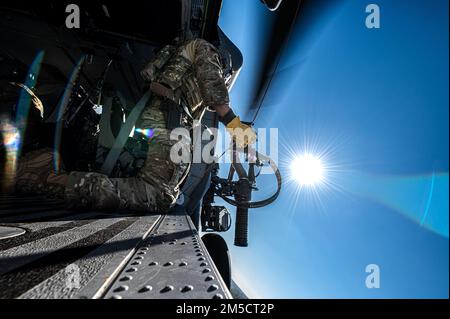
(148, 132)
(25, 99)
(11, 141)
(61, 112)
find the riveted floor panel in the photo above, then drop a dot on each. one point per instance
(116, 255)
(171, 263)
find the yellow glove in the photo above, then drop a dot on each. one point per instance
(243, 134)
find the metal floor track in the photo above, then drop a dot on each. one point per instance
(70, 254)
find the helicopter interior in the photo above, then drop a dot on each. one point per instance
(115, 42)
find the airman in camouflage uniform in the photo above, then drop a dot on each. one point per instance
(191, 75)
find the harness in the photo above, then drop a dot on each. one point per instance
(170, 76)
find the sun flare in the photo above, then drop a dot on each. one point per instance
(307, 170)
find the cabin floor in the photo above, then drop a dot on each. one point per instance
(73, 254)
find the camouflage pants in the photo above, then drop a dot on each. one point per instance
(154, 188)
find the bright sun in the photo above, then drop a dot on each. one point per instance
(307, 170)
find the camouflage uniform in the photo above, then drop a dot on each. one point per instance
(193, 72)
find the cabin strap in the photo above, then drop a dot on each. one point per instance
(123, 135)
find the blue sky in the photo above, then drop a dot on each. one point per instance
(374, 105)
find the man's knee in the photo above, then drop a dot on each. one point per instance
(136, 194)
(91, 190)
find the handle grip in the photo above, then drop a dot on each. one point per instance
(241, 231)
(243, 195)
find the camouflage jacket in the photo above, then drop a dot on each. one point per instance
(193, 72)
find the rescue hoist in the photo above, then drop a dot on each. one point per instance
(236, 192)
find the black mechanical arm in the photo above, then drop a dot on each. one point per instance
(237, 193)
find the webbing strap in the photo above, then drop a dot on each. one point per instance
(124, 133)
(106, 137)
